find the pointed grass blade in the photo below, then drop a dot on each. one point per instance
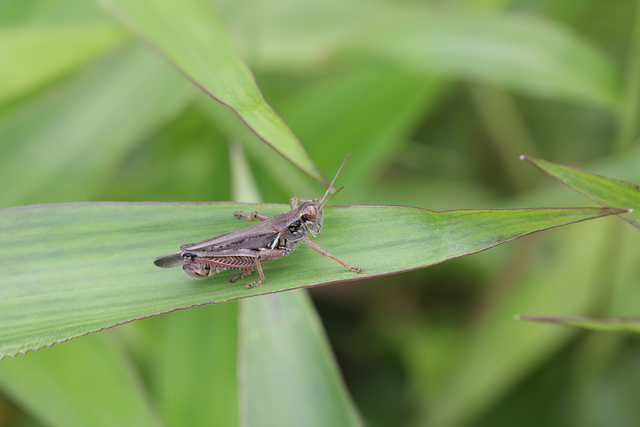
(631, 324)
(605, 191)
(70, 269)
(190, 35)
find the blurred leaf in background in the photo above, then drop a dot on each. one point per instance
(435, 102)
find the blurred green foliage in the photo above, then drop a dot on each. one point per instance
(434, 101)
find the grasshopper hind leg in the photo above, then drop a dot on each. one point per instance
(200, 270)
(240, 276)
(248, 271)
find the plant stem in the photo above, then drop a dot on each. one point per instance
(630, 107)
(507, 129)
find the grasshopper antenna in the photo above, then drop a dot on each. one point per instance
(325, 202)
(334, 180)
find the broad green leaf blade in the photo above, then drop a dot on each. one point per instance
(74, 137)
(286, 355)
(89, 382)
(615, 324)
(70, 269)
(190, 35)
(33, 56)
(531, 55)
(601, 189)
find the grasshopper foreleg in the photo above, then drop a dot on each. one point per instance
(256, 215)
(322, 251)
(294, 201)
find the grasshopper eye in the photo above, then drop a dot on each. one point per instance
(188, 257)
(311, 214)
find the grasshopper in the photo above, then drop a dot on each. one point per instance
(246, 249)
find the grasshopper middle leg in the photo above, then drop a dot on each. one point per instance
(260, 272)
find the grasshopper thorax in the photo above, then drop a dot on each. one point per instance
(307, 219)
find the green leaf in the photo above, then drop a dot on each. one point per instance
(50, 13)
(284, 353)
(615, 324)
(535, 56)
(70, 269)
(601, 189)
(76, 136)
(531, 55)
(33, 56)
(190, 35)
(52, 385)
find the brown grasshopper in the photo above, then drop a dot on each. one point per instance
(273, 237)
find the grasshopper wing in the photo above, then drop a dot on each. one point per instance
(260, 231)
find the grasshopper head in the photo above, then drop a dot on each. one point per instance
(311, 216)
(311, 210)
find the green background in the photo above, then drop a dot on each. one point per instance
(434, 101)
